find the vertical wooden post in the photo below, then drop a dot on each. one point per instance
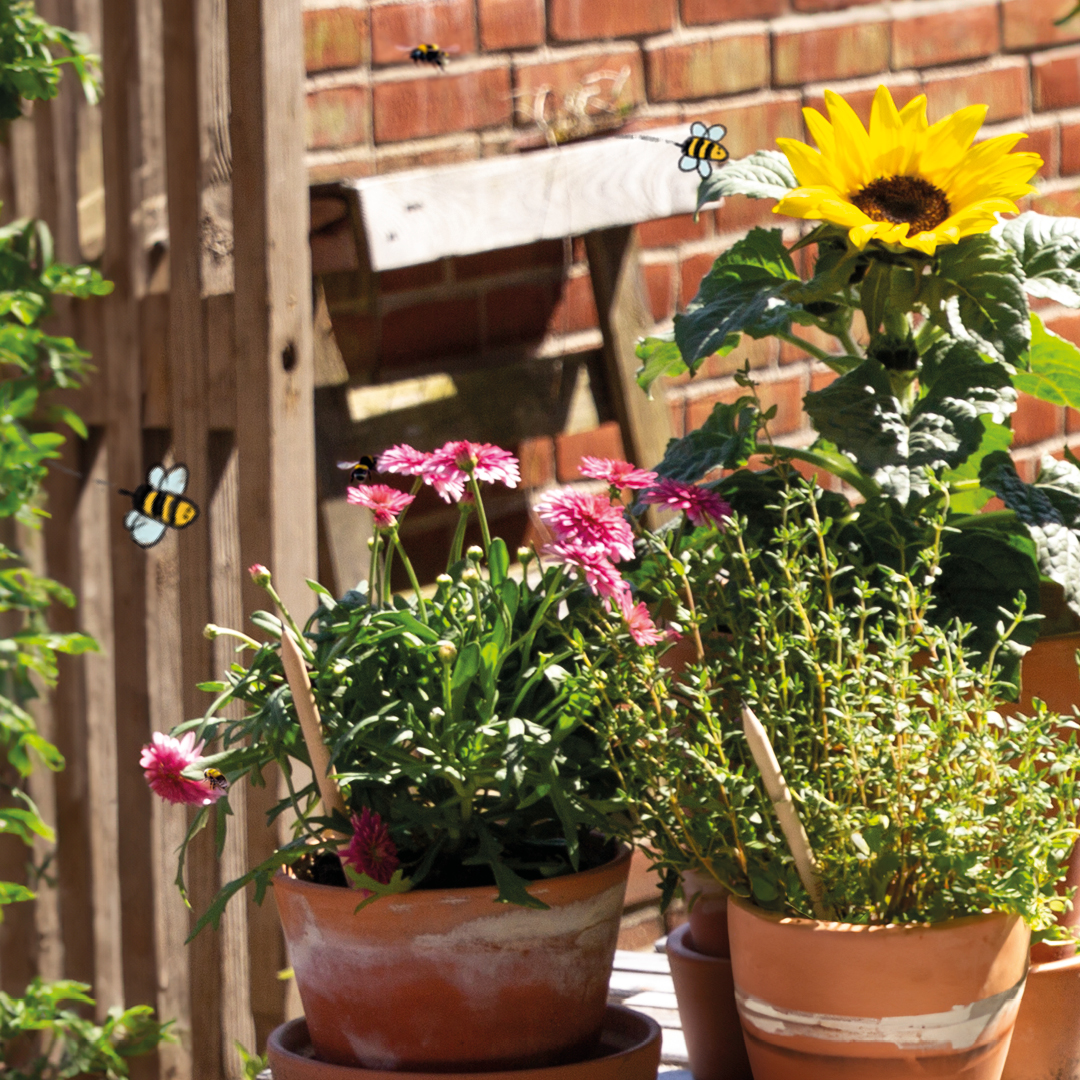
(274, 366)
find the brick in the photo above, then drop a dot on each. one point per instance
(511, 24)
(1035, 420)
(668, 232)
(859, 94)
(421, 276)
(826, 47)
(334, 248)
(336, 38)
(1062, 203)
(660, 286)
(787, 396)
(442, 327)
(337, 166)
(1070, 149)
(827, 5)
(519, 312)
(1067, 325)
(1055, 79)
(424, 152)
(586, 20)
(396, 29)
(604, 441)
(338, 116)
(790, 354)
(439, 104)
(1028, 24)
(740, 213)
(759, 352)
(1072, 421)
(1044, 141)
(1002, 84)
(691, 270)
(699, 409)
(755, 121)
(696, 12)
(925, 33)
(537, 462)
(564, 75)
(728, 63)
(546, 253)
(576, 308)
(820, 379)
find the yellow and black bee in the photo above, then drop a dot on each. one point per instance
(703, 148)
(360, 470)
(159, 503)
(429, 54)
(216, 779)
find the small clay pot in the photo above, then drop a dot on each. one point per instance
(629, 1049)
(1046, 1041)
(835, 1001)
(449, 980)
(710, 1019)
(707, 903)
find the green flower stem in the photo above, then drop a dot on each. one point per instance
(375, 582)
(301, 641)
(417, 484)
(458, 542)
(864, 485)
(221, 631)
(849, 343)
(484, 533)
(396, 542)
(806, 346)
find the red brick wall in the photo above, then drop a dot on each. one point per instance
(751, 64)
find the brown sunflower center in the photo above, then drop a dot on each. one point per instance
(902, 199)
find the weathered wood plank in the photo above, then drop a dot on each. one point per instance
(624, 317)
(426, 214)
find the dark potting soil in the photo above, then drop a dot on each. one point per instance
(325, 868)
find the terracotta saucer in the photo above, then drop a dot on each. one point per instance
(629, 1050)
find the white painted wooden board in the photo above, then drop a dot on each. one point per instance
(426, 214)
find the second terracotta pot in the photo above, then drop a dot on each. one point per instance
(834, 1001)
(1046, 1042)
(707, 903)
(448, 980)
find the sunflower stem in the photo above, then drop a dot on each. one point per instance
(806, 346)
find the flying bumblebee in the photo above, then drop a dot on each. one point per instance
(703, 148)
(360, 470)
(216, 779)
(159, 503)
(429, 54)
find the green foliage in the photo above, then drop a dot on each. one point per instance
(764, 175)
(921, 801)
(33, 54)
(69, 1046)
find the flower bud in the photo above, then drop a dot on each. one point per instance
(370, 542)
(210, 631)
(444, 579)
(524, 555)
(447, 652)
(259, 574)
(470, 576)
(475, 552)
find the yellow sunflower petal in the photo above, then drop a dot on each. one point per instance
(821, 131)
(852, 155)
(913, 114)
(948, 140)
(926, 242)
(823, 203)
(811, 168)
(890, 143)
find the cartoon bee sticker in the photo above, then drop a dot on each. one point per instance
(429, 54)
(703, 148)
(359, 470)
(159, 504)
(216, 779)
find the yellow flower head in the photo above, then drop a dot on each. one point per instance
(904, 181)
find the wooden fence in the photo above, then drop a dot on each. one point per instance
(189, 184)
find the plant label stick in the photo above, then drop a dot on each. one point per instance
(310, 724)
(778, 792)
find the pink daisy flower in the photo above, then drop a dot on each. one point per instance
(620, 474)
(383, 501)
(592, 521)
(403, 460)
(642, 629)
(697, 503)
(447, 469)
(371, 851)
(259, 574)
(593, 565)
(163, 763)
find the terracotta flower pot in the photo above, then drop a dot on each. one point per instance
(629, 1049)
(707, 902)
(710, 1020)
(1046, 1042)
(440, 980)
(833, 1001)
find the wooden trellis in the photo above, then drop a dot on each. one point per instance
(204, 356)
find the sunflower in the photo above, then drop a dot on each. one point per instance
(904, 181)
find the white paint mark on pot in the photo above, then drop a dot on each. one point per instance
(371, 1050)
(962, 1027)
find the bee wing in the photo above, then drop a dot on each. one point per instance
(697, 128)
(347, 464)
(404, 48)
(146, 532)
(688, 164)
(717, 132)
(705, 169)
(175, 480)
(154, 476)
(451, 49)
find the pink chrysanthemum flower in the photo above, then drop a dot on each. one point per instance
(620, 474)
(447, 469)
(383, 501)
(642, 629)
(371, 851)
(164, 762)
(697, 503)
(588, 520)
(593, 565)
(402, 459)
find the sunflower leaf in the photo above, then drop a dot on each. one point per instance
(1049, 252)
(660, 356)
(742, 293)
(1053, 373)
(976, 292)
(726, 440)
(764, 175)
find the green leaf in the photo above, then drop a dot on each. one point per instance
(498, 561)
(726, 440)
(1048, 249)
(660, 357)
(884, 287)
(397, 884)
(763, 175)
(996, 437)
(1054, 368)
